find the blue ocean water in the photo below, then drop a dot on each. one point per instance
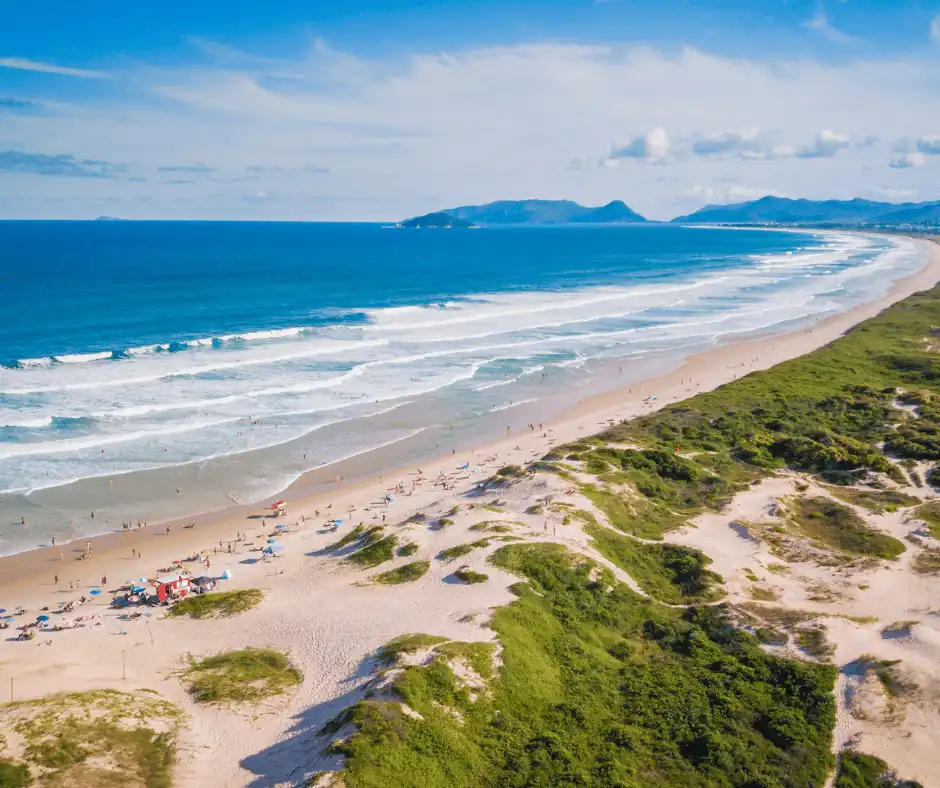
(131, 348)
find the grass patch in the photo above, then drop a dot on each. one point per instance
(491, 507)
(813, 641)
(470, 577)
(409, 548)
(839, 528)
(632, 515)
(764, 594)
(600, 687)
(355, 534)
(857, 770)
(669, 573)
(460, 550)
(778, 569)
(218, 604)
(83, 739)
(930, 514)
(927, 561)
(247, 675)
(403, 574)
(407, 644)
(444, 522)
(876, 501)
(511, 472)
(376, 549)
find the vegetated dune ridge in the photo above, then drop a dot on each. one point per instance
(702, 596)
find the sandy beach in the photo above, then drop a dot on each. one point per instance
(321, 612)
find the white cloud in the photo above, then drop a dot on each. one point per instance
(821, 24)
(907, 160)
(652, 147)
(405, 136)
(826, 145)
(935, 28)
(748, 144)
(727, 194)
(929, 145)
(22, 64)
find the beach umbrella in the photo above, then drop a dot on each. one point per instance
(272, 541)
(42, 618)
(3, 610)
(338, 522)
(95, 591)
(226, 575)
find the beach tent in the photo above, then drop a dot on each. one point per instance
(226, 575)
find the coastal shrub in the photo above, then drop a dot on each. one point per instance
(930, 514)
(839, 528)
(407, 644)
(14, 775)
(927, 561)
(876, 501)
(600, 687)
(511, 472)
(102, 737)
(359, 532)
(462, 549)
(409, 548)
(470, 577)
(403, 574)
(217, 604)
(669, 573)
(858, 770)
(374, 552)
(246, 675)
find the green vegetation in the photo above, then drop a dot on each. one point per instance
(373, 549)
(14, 775)
(857, 770)
(470, 577)
(490, 507)
(927, 561)
(218, 604)
(600, 687)
(813, 641)
(403, 574)
(407, 644)
(248, 675)
(91, 739)
(826, 412)
(876, 501)
(461, 550)
(930, 514)
(357, 533)
(495, 526)
(407, 549)
(839, 528)
(511, 472)
(669, 573)
(444, 522)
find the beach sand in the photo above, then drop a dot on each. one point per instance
(318, 610)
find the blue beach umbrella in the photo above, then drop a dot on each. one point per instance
(95, 591)
(272, 541)
(42, 618)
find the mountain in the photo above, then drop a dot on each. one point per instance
(438, 220)
(781, 210)
(544, 212)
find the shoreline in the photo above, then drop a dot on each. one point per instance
(28, 573)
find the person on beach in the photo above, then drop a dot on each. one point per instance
(53, 541)
(56, 579)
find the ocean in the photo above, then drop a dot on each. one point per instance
(223, 360)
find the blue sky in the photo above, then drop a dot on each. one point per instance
(378, 110)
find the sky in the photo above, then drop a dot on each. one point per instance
(367, 110)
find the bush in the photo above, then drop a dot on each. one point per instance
(403, 574)
(217, 604)
(470, 577)
(251, 674)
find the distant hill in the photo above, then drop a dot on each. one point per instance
(544, 212)
(439, 219)
(780, 210)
